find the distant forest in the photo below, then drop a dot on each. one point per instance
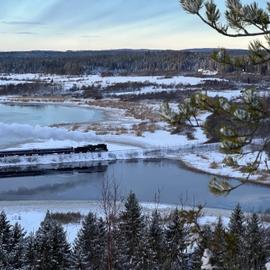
(141, 62)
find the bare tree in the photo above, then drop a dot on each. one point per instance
(111, 205)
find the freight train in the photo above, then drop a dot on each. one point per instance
(41, 152)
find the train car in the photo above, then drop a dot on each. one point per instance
(50, 151)
(91, 148)
(101, 148)
(84, 149)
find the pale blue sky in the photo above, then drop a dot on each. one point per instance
(104, 24)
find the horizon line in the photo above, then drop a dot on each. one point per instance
(121, 49)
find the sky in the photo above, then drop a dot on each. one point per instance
(105, 24)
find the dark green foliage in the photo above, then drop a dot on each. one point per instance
(157, 240)
(17, 246)
(90, 244)
(177, 238)
(51, 248)
(158, 244)
(219, 244)
(246, 119)
(255, 243)
(144, 62)
(241, 20)
(133, 231)
(29, 252)
(5, 241)
(235, 239)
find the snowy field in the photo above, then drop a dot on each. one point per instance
(30, 214)
(69, 82)
(204, 162)
(159, 143)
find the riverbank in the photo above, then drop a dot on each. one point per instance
(29, 214)
(128, 137)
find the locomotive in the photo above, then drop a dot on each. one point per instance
(69, 150)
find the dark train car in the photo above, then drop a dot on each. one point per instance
(91, 148)
(84, 149)
(50, 151)
(101, 147)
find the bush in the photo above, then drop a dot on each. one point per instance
(229, 161)
(213, 165)
(66, 218)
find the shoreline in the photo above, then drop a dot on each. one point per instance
(241, 179)
(94, 205)
(113, 114)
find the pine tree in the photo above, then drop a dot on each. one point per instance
(135, 253)
(203, 242)
(90, 244)
(52, 249)
(255, 241)
(117, 245)
(243, 120)
(156, 240)
(218, 246)
(177, 237)
(235, 252)
(78, 259)
(5, 241)
(30, 253)
(17, 245)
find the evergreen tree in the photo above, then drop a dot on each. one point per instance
(218, 246)
(135, 252)
(52, 249)
(5, 241)
(202, 243)
(90, 244)
(255, 241)
(235, 251)
(78, 262)
(177, 236)
(30, 253)
(240, 121)
(17, 245)
(156, 240)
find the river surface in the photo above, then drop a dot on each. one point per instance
(45, 115)
(175, 184)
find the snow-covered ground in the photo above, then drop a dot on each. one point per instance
(150, 89)
(159, 142)
(212, 162)
(229, 94)
(30, 213)
(69, 82)
(126, 146)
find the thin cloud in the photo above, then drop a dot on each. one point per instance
(17, 33)
(90, 36)
(22, 23)
(25, 33)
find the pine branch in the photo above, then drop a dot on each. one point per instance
(238, 17)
